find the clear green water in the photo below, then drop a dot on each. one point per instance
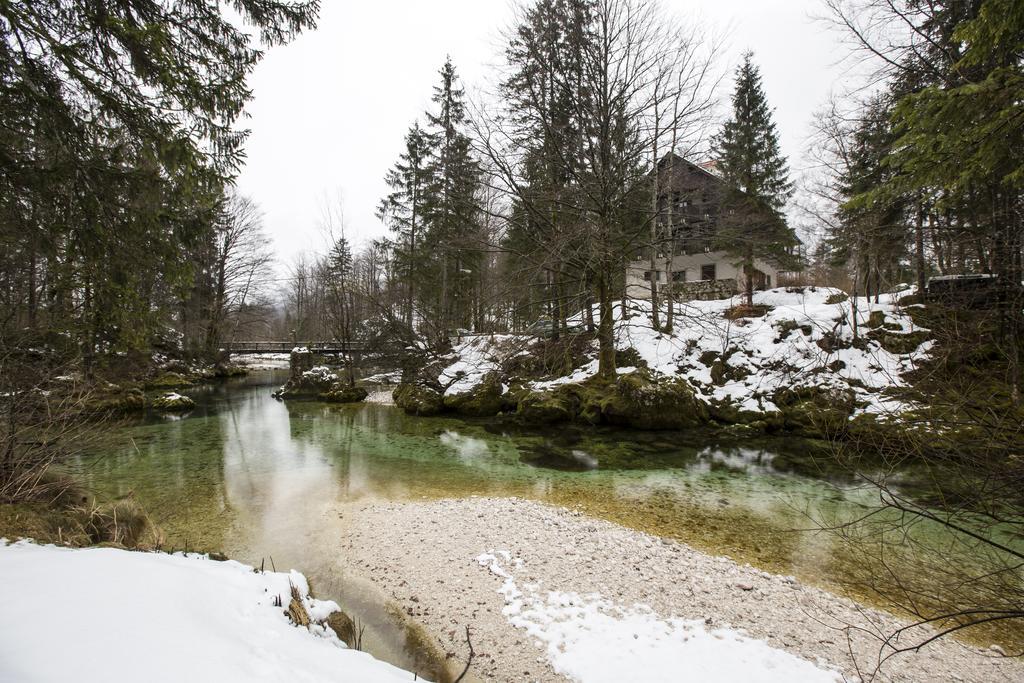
(252, 477)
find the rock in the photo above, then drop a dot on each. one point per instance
(344, 393)
(637, 400)
(416, 399)
(815, 412)
(486, 399)
(898, 342)
(307, 383)
(172, 402)
(546, 407)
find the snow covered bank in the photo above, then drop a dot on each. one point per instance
(108, 615)
(796, 344)
(591, 639)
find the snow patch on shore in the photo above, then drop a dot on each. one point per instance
(108, 615)
(590, 639)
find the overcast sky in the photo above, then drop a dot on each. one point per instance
(330, 110)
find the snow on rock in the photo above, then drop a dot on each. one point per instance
(108, 615)
(320, 374)
(475, 358)
(590, 639)
(804, 339)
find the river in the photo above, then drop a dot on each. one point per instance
(250, 476)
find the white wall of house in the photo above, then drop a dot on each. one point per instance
(726, 268)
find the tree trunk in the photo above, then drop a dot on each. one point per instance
(919, 248)
(605, 326)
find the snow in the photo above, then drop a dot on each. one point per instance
(760, 348)
(300, 349)
(475, 358)
(320, 374)
(261, 361)
(108, 615)
(590, 639)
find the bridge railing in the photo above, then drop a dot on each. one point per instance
(287, 346)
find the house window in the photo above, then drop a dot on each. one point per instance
(657, 275)
(679, 276)
(707, 272)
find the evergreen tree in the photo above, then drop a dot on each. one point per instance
(404, 210)
(751, 164)
(871, 236)
(452, 214)
(119, 134)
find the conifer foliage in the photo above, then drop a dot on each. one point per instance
(757, 178)
(433, 211)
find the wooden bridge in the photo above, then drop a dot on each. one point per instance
(326, 348)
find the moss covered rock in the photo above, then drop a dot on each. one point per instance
(815, 412)
(486, 399)
(546, 407)
(344, 393)
(898, 342)
(637, 400)
(169, 380)
(416, 399)
(172, 402)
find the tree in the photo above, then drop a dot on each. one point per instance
(239, 269)
(756, 175)
(572, 146)
(404, 210)
(451, 212)
(120, 133)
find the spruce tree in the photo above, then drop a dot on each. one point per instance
(750, 162)
(403, 209)
(451, 207)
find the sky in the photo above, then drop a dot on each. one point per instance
(330, 110)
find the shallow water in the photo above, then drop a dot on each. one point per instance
(254, 477)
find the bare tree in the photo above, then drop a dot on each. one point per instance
(242, 267)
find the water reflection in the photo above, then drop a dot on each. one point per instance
(256, 478)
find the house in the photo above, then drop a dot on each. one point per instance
(690, 197)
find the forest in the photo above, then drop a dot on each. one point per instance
(604, 303)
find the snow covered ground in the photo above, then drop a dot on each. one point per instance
(591, 639)
(262, 361)
(802, 340)
(108, 615)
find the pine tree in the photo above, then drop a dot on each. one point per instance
(757, 177)
(451, 208)
(404, 209)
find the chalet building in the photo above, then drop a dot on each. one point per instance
(691, 195)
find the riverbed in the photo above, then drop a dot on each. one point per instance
(263, 482)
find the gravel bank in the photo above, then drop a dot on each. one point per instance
(425, 556)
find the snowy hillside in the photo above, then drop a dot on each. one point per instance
(795, 339)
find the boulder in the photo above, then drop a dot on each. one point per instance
(344, 393)
(486, 399)
(816, 412)
(309, 383)
(173, 402)
(638, 400)
(546, 407)
(417, 399)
